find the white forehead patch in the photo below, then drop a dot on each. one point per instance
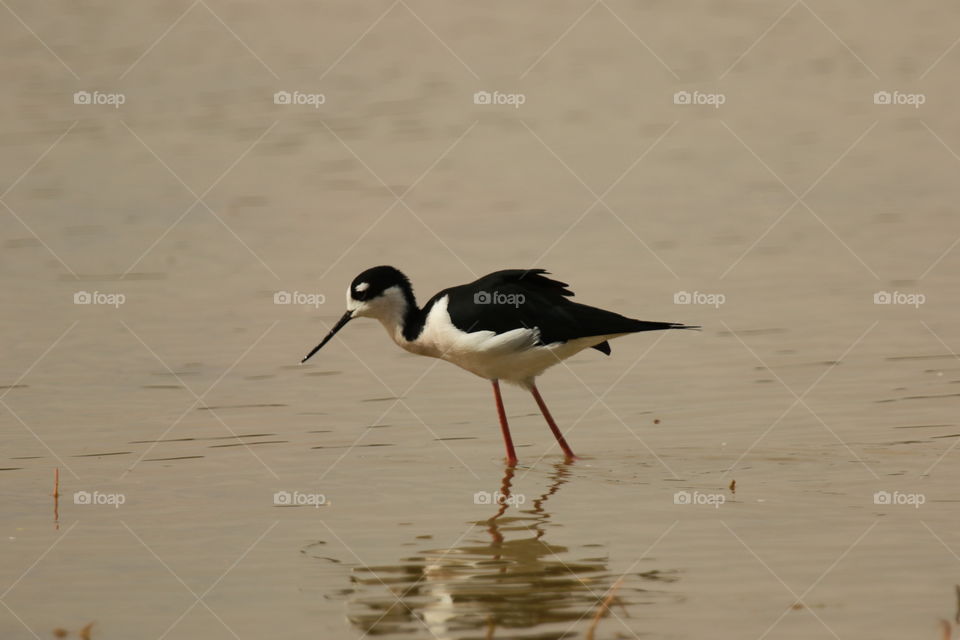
(363, 286)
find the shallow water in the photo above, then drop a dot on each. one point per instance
(789, 472)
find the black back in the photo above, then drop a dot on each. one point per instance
(537, 301)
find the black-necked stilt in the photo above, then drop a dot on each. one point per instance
(509, 325)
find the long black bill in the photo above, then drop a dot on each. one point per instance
(341, 323)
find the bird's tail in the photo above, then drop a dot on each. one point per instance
(643, 325)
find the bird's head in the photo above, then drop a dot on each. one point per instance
(381, 292)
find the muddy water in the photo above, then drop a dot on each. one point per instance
(789, 472)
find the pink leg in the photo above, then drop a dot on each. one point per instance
(567, 451)
(504, 427)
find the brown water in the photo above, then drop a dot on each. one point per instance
(199, 198)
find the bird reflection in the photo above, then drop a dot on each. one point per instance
(508, 578)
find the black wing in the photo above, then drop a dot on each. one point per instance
(515, 298)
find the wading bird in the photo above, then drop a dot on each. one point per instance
(509, 325)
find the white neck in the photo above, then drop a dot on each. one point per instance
(392, 321)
